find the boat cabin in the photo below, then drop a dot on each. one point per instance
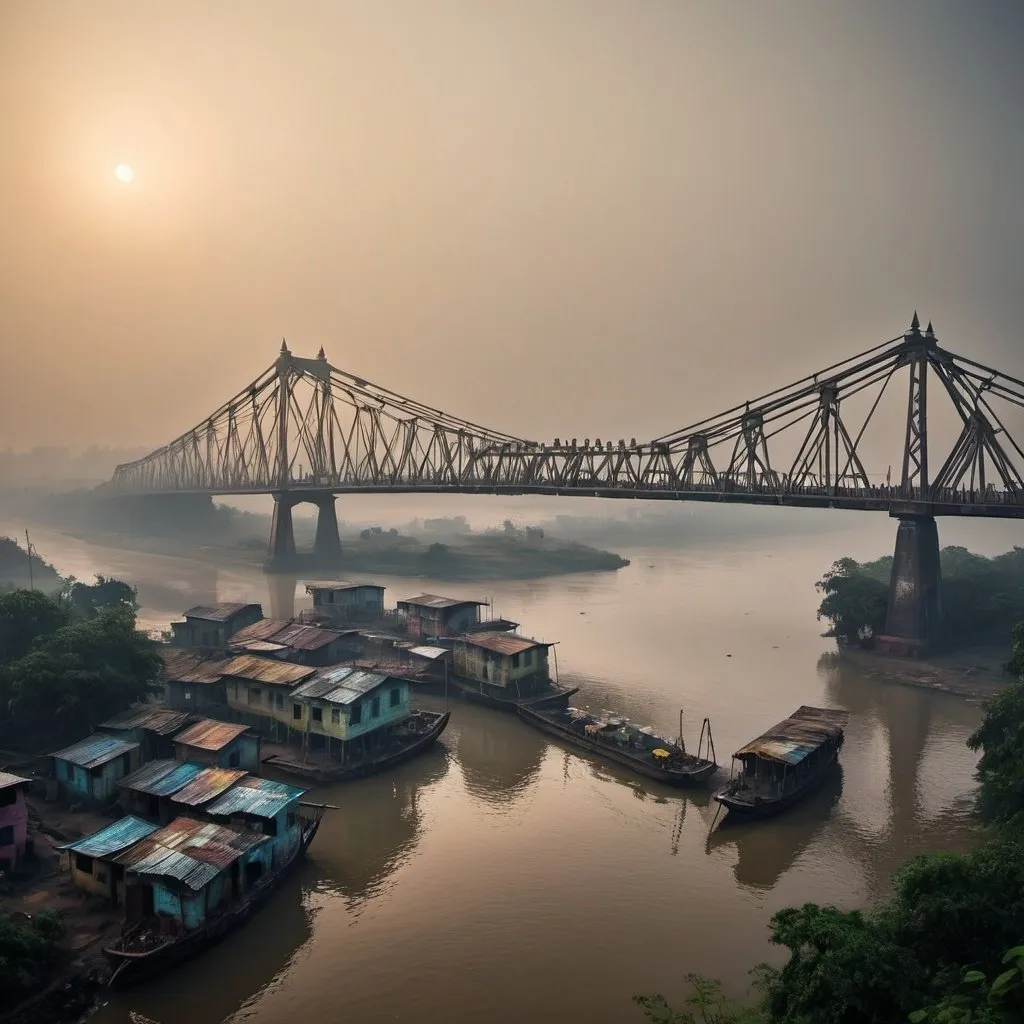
(504, 660)
(296, 642)
(265, 806)
(13, 820)
(788, 756)
(91, 861)
(211, 626)
(346, 602)
(225, 744)
(91, 769)
(186, 871)
(429, 615)
(147, 792)
(150, 726)
(191, 680)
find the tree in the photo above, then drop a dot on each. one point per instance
(1016, 665)
(86, 599)
(24, 616)
(855, 601)
(706, 1005)
(1001, 768)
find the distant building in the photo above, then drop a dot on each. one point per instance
(149, 726)
(347, 602)
(504, 660)
(91, 769)
(191, 680)
(344, 705)
(297, 642)
(91, 861)
(224, 744)
(148, 792)
(13, 821)
(258, 693)
(211, 626)
(430, 615)
(265, 806)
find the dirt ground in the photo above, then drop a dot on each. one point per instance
(976, 674)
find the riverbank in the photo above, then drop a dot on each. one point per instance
(976, 674)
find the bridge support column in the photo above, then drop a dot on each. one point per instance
(327, 546)
(281, 554)
(914, 618)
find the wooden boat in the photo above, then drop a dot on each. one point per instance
(554, 695)
(141, 953)
(616, 740)
(782, 765)
(410, 737)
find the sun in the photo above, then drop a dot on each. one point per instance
(124, 173)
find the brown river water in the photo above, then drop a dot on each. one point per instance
(502, 878)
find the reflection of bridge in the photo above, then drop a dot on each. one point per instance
(305, 431)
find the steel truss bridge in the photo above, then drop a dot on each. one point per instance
(306, 427)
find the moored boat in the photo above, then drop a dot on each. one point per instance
(411, 736)
(782, 765)
(552, 696)
(615, 739)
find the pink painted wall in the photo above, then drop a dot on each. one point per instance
(15, 815)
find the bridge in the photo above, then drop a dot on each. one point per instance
(306, 431)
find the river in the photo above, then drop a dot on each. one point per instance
(503, 879)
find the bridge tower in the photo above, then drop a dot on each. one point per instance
(913, 619)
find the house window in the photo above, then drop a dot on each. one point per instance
(279, 700)
(318, 714)
(396, 697)
(101, 876)
(233, 758)
(254, 695)
(187, 693)
(7, 835)
(297, 711)
(335, 715)
(292, 819)
(126, 763)
(528, 657)
(515, 661)
(355, 716)
(8, 796)
(83, 863)
(375, 706)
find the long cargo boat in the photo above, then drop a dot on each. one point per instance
(615, 739)
(554, 695)
(782, 765)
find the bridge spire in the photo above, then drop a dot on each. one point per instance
(915, 324)
(284, 347)
(322, 355)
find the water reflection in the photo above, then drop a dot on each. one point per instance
(377, 829)
(232, 974)
(500, 757)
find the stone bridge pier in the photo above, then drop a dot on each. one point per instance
(913, 622)
(282, 555)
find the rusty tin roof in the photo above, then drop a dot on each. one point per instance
(262, 798)
(342, 684)
(797, 736)
(206, 785)
(270, 671)
(219, 612)
(162, 778)
(312, 585)
(264, 629)
(185, 666)
(207, 734)
(95, 750)
(162, 721)
(501, 643)
(436, 602)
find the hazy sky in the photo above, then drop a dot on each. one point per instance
(562, 217)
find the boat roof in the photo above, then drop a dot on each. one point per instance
(112, 839)
(796, 737)
(262, 798)
(95, 750)
(162, 778)
(343, 684)
(208, 734)
(160, 720)
(435, 601)
(501, 643)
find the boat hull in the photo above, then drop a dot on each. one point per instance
(371, 766)
(701, 772)
(556, 697)
(130, 969)
(749, 811)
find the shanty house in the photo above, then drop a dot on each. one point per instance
(211, 626)
(91, 861)
(347, 602)
(345, 703)
(297, 642)
(429, 615)
(191, 680)
(91, 769)
(265, 806)
(225, 744)
(148, 791)
(258, 692)
(202, 790)
(189, 869)
(150, 726)
(505, 660)
(13, 820)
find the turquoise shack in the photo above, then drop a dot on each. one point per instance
(265, 806)
(91, 769)
(224, 744)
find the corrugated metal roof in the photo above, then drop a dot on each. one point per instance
(262, 630)
(219, 612)
(95, 750)
(207, 734)
(312, 585)
(428, 652)
(501, 643)
(267, 670)
(342, 684)
(7, 780)
(206, 785)
(261, 647)
(188, 851)
(304, 637)
(112, 839)
(263, 798)
(797, 736)
(162, 778)
(184, 666)
(434, 601)
(162, 721)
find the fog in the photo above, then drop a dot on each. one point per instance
(584, 218)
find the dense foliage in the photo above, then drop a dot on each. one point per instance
(945, 948)
(27, 948)
(982, 597)
(14, 568)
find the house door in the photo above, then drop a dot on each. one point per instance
(138, 901)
